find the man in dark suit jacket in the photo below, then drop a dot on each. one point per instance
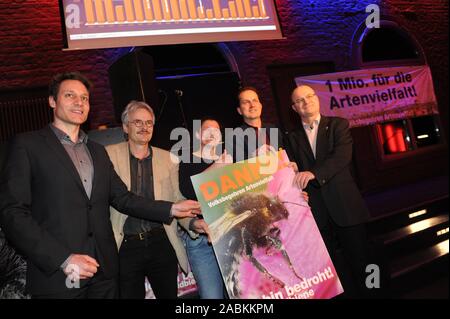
(56, 190)
(322, 149)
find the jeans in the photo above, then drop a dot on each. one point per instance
(204, 267)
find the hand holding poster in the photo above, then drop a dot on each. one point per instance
(265, 238)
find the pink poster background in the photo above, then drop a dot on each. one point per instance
(303, 242)
(267, 242)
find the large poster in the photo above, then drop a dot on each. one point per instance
(264, 235)
(372, 96)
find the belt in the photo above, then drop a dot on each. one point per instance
(144, 235)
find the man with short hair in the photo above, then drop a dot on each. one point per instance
(55, 194)
(253, 137)
(322, 149)
(146, 248)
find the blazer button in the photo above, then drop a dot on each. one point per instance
(90, 234)
(323, 181)
(89, 207)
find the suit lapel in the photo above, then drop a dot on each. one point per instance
(304, 145)
(156, 168)
(97, 166)
(121, 161)
(64, 158)
(322, 134)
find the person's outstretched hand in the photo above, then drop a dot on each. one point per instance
(185, 208)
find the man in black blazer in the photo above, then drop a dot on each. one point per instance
(322, 149)
(55, 193)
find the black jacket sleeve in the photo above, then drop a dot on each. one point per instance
(133, 205)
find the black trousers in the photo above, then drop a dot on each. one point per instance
(152, 257)
(97, 287)
(349, 250)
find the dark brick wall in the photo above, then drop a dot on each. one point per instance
(31, 53)
(31, 41)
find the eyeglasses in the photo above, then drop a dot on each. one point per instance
(140, 123)
(303, 100)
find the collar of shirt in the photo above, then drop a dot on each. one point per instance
(314, 124)
(63, 137)
(246, 126)
(150, 154)
(263, 125)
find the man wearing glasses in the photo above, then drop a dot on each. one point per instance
(322, 149)
(146, 248)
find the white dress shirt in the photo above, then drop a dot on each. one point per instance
(311, 131)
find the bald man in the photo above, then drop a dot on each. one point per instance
(322, 149)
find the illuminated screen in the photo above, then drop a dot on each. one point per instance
(90, 24)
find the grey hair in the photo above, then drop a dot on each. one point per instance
(133, 106)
